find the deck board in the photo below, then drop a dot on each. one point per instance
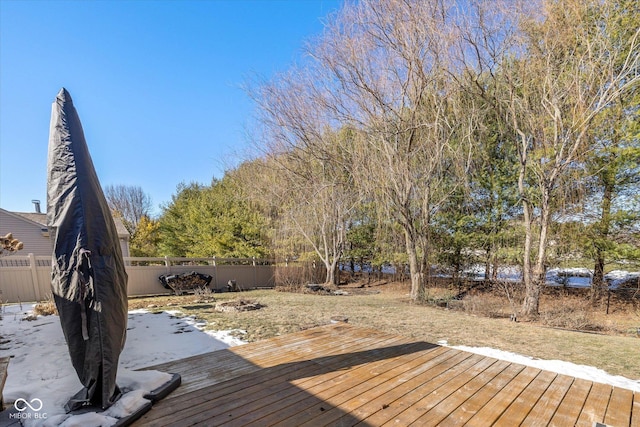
(341, 375)
(458, 398)
(483, 394)
(570, 407)
(620, 404)
(292, 392)
(635, 411)
(520, 408)
(492, 410)
(347, 390)
(547, 405)
(418, 412)
(389, 393)
(379, 392)
(595, 407)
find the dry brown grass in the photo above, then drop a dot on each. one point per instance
(46, 307)
(387, 307)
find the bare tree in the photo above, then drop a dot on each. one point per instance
(549, 78)
(130, 203)
(311, 184)
(383, 66)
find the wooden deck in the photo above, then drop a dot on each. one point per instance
(341, 375)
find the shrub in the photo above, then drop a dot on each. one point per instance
(46, 308)
(487, 305)
(575, 314)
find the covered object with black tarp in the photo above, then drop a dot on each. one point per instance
(89, 281)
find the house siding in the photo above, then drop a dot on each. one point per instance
(34, 236)
(31, 230)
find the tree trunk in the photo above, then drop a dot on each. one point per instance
(531, 300)
(487, 266)
(495, 265)
(330, 274)
(331, 265)
(417, 284)
(598, 286)
(532, 297)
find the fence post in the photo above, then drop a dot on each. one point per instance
(255, 273)
(167, 264)
(215, 273)
(34, 276)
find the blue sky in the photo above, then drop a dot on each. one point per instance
(157, 84)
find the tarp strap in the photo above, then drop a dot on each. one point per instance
(86, 272)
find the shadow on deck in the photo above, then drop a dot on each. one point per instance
(341, 375)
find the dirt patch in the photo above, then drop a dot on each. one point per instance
(238, 305)
(200, 307)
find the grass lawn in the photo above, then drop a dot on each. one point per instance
(389, 310)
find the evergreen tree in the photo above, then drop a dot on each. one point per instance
(146, 238)
(216, 220)
(614, 160)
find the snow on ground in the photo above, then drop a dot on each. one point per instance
(581, 278)
(621, 277)
(40, 367)
(576, 277)
(569, 277)
(566, 368)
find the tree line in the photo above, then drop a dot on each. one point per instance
(441, 133)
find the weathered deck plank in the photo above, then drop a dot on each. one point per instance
(484, 394)
(454, 401)
(520, 408)
(296, 391)
(493, 409)
(620, 404)
(246, 383)
(570, 407)
(547, 405)
(387, 392)
(341, 390)
(341, 375)
(432, 397)
(635, 411)
(595, 406)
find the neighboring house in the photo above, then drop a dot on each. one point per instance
(31, 229)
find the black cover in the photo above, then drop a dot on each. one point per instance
(89, 281)
(185, 282)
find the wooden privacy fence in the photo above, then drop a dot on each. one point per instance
(28, 278)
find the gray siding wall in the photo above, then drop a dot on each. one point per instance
(35, 242)
(28, 233)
